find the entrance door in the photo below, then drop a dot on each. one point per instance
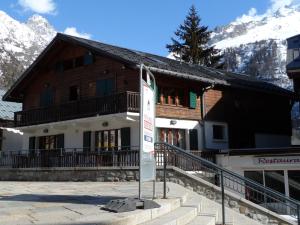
(172, 136)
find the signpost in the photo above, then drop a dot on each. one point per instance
(147, 166)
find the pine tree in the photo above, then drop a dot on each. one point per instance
(191, 43)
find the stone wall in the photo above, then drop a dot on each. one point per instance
(175, 175)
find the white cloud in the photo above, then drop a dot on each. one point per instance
(251, 15)
(73, 31)
(252, 12)
(38, 6)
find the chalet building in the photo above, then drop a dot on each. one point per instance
(83, 94)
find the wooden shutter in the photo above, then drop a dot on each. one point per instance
(125, 138)
(100, 87)
(60, 141)
(47, 97)
(193, 100)
(87, 140)
(88, 59)
(110, 86)
(193, 139)
(31, 143)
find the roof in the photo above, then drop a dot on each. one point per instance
(7, 109)
(164, 65)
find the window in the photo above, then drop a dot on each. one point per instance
(51, 142)
(218, 132)
(109, 139)
(74, 93)
(68, 64)
(105, 87)
(295, 53)
(294, 184)
(170, 96)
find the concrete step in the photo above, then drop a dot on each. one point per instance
(203, 220)
(189, 209)
(180, 216)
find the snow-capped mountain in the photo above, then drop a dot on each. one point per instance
(256, 44)
(20, 44)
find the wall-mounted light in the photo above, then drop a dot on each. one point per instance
(45, 130)
(105, 124)
(173, 122)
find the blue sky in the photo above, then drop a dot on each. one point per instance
(137, 24)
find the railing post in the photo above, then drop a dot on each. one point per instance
(223, 198)
(298, 214)
(165, 173)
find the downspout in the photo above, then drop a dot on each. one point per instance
(203, 112)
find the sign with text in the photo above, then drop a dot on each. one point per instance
(277, 160)
(148, 165)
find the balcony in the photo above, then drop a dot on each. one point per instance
(117, 103)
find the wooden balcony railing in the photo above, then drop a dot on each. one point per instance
(117, 103)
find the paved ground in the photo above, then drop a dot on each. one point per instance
(61, 202)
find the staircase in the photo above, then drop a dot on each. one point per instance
(250, 202)
(198, 210)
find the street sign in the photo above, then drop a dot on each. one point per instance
(147, 128)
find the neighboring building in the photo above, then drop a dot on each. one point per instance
(277, 168)
(84, 94)
(293, 71)
(10, 138)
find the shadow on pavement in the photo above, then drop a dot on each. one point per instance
(75, 199)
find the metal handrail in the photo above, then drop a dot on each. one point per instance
(233, 177)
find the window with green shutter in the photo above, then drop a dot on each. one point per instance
(88, 59)
(105, 87)
(193, 100)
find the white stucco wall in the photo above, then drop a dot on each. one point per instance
(209, 141)
(182, 124)
(73, 130)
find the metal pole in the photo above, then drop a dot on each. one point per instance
(165, 173)
(223, 198)
(140, 128)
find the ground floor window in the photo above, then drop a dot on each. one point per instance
(108, 140)
(275, 179)
(172, 136)
(294, 184)
(51, 142)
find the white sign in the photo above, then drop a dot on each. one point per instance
(148, 119)
(277, 160)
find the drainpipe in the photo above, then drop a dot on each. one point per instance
(203, 111)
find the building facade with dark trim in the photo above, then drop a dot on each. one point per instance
(83, 94)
